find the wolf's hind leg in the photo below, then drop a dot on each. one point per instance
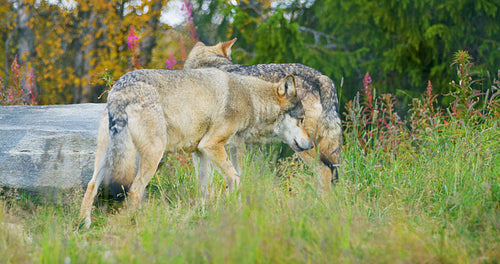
(100, 169)
(148, 130)
(90, 194)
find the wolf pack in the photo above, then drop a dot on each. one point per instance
(211, 108)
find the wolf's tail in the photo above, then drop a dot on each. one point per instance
(121, 156)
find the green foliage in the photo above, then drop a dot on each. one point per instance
(426, 116)
(373, 123)
(492, 98)
(403, 44)
(407, 43)
(284, 43)
(264, 35)
(465, 96)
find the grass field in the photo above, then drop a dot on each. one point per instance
(436, 202)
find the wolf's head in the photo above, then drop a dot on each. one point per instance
(202, 56)
(289, 125)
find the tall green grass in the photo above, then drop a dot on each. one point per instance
(438, 203)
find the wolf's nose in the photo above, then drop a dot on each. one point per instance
(309, 145)
(304, 145)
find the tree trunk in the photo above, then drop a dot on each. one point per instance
(89, 50)
(83, 56)
(149, 41)
(26, 49)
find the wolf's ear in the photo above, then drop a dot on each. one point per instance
(287, 87)
(199, 44)
(226, 47)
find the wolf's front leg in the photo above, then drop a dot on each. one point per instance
(218, 155)
(236, 158)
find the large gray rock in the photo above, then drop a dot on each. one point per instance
(48, 147)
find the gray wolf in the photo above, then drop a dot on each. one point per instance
(317, 92)
(150, 112)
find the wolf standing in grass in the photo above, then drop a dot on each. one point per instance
(317, 92)
(150, 112)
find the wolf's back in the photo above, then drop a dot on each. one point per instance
(308, 78)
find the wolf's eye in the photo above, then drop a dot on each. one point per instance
(300, 120)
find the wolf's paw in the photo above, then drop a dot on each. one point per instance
(233, 185)
(237, 183)
(84, 222)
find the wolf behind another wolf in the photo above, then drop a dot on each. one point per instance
(317, 92)
(150, 112)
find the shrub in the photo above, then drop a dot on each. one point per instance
(19, 90)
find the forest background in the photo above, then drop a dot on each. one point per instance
(62, 51)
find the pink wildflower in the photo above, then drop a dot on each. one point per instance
(188, 13)
(170, 62)
(133, 45)
(132, 40)
(429, 88)
(367, 80)
(187, 8)
(14, 67)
